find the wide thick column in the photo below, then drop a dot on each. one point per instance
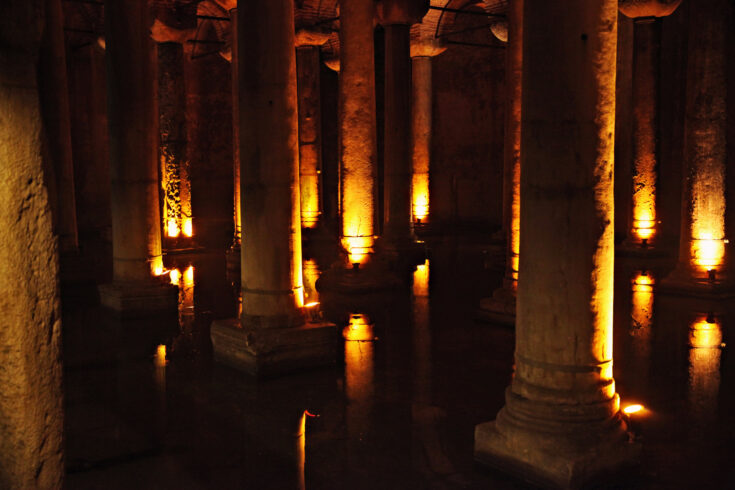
(133, 121)
(308, 69)
(271, 336)
(644, 223)
(54, 92)
(561, 424)
(396, 16)
(31, 440)
(704, 266)
(501, 307)
(175, 176)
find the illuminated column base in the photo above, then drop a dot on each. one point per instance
(273, 351)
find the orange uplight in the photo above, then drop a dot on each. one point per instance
(172, 228)
(644, 229)
(643, 283)
(420, 197)
(358, 248)
(311, 274)
(633, 409)
(188, 227)
(707, 251)
(157, 266)
(705, 333)
(311, 305)
(174, 276)
(421, 280)
(160, 358)
(189, 276)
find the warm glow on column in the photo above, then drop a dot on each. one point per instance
(420, 196)
(301, 451)
(708, 248)
(309, 200)
(358, 247)
(157, 265)
(176, 196)
(160, 358)
(188, 228)
(172, 228)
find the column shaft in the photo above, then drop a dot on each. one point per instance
(31, 439)
(236, 123)
(397, 160)
(310, 142)
(357, 128)
(512, 150)
(646, 60)
(175, 181)
(562, 412)
(54, 93)
(421, 118)
(133, 122)
(702, 245)
(269, 166)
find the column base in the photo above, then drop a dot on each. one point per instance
(405, 252)
(373, 278)
(546, 464)
(632, 249)
(268, 352)
(134, 299)
(232, 258)
(680, 283)
(500, 308)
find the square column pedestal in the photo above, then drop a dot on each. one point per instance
(562, 456)
(271, 351)
(135, 299)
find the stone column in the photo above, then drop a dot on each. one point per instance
(236, 126)
(358, 143)
(501, 307)
(54, 93)
(396, 16)
(272, 336)
(31, 440)
(421, 120)
(175, 181)
(561, 423)
(646, 67)
(704, 259)
(308, 68)
(133, 121)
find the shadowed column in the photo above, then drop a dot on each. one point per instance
(271, 336)
(31, 417)
(561, 423)
(133, 121)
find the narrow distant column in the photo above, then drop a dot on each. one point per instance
(54, 93)
(561, 422)
(271, 336)
(236, 126)
(421, 120)
(704, 259)
(501, 307)
(646, 80)
(396, 16)
(31, 431)
(175, 181)
(133, 121)
(308, 66)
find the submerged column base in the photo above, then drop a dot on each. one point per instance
(630, 248)
(682, 283)
(132, 299)
(267, 352)
(402, 251)
(499, 308)
(566, 455)
(371, 278)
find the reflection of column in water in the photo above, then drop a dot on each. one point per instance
(159, 363)
(359, 373)
(705, 340)
(301, 452)
(421, 335)
(185, 282)
(311, 274)
(638, 350)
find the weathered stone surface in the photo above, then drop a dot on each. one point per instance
(30, 364)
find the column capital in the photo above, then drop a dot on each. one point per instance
(647, 8)
(401, 11)
(311, 37)
(426, 48)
